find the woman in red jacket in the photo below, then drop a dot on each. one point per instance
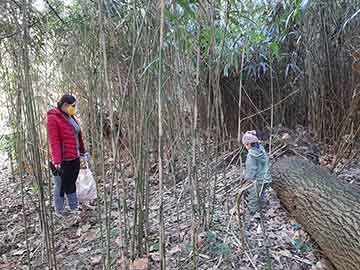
(66, 148)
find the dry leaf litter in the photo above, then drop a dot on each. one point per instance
(77, 240)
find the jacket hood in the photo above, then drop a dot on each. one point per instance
(54, 111)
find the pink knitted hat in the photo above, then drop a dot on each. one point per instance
(250, 137)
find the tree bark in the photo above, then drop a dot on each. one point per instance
(328, 208)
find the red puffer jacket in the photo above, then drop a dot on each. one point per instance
(62, 139)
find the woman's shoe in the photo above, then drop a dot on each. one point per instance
(59, 215)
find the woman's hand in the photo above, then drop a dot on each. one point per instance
(85, 156)
(56, 170)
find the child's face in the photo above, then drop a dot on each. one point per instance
(247, 146)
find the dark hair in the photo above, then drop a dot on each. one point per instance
(67, 98)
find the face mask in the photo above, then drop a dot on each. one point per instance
(71, 110)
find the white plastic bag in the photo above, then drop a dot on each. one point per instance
(86, 186)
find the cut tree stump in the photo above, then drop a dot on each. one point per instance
(328, 209)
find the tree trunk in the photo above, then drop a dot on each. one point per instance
(328, 209)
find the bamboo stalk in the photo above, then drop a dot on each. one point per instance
(272, 104)
(20, 163)
(36, 156)
(161, 135)
(240, 91)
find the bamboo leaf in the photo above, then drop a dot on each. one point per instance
(304, 5)
(185, 4)
(274, 49)
(289, 18)
(350, 19)
(114, 232)
(155, 247)
(170, 16)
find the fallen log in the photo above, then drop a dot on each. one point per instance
(328, 209)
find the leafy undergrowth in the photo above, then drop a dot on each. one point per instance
(77, 239)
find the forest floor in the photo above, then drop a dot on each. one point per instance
(78, 246)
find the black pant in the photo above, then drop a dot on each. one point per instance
(69, 173)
